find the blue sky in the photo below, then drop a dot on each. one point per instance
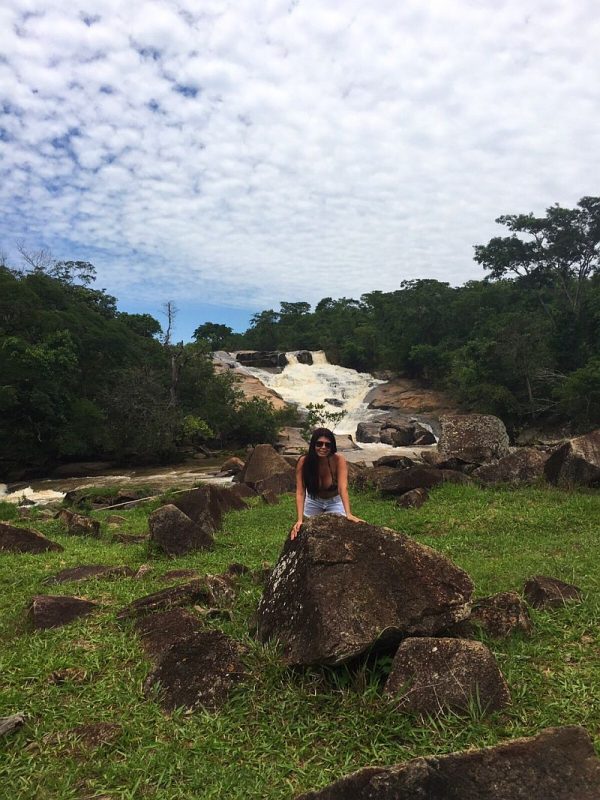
(230, 156)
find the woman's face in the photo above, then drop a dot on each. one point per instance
(323, 446)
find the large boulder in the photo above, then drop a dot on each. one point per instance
(431, 674)
(475, 438)
(198, 671)
(368, 432)
(265, 462)
(557, 764)
(206, 505)
(523, 467)
(176, 534)
(24, 540)
(576, 462)
(342, 587)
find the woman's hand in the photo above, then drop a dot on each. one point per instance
(352, 518)
(295, 529)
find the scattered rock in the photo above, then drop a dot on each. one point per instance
(143, 570)
(130, 538)
(424, 439)
(261, 576)
(397, 462)
(53, 611)
(115, 519)
(475, 438)
(222, 589)
(501, 614)
(242, 491)
(400, 481)
(270, 498)
(69, 674)
(453, 476)
(413, 499)
(341, 587)
(368, 432)
(232, 466)
(178, 574)
(262, 463)
(176, 534)
(88, 571)
(523, 467)
(207, 504)
(160, 631)
(238, 569)
(11, 724)
(279, 483)
(96, 734)
(198, 672)
(184, 594)
(542, 591)
(557, 764)
(431, 674)
(576, 462)
(78, 524)
(373, 477)
(24, 540)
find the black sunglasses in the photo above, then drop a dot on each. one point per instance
(323, 444)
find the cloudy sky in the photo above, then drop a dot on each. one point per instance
(229, 155)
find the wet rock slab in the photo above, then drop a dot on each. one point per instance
(543, 591)
(53, 611)
(89, 571)
(198, 671)
(24, 540)
(341, 587)
(431, 674)
(557, 764)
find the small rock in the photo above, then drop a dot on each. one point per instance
(53, 611)
(431, 674)
(130, 538)
(79, 524)
(542, 591)
(501, 614)
(413, 499)
(269, 498)
(24, 540)
(143, 570)
(198, 672)
(11, 724)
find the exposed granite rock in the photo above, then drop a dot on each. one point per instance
(542, 591)
(176, 534)
(576, 462)
(475, 438)
(53, 611)
(24, 540)
(523, 467)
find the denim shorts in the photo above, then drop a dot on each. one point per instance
(323, 505)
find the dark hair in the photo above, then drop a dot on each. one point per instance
(310, 467)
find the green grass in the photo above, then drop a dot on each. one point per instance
(285, 731)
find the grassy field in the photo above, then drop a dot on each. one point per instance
(284, 731)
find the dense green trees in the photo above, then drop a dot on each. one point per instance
(81, 380)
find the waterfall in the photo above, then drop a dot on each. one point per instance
(339, 389)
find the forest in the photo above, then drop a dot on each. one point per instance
(80, 379)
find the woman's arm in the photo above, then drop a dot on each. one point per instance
(300, 495)
(342, 482)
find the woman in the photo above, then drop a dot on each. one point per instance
(321, 480)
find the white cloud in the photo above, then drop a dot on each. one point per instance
(245, 154)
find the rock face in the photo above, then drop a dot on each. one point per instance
(524, 467)
(341, 587)
(52, 611)
(79, 524)
(542, 591)
(174, 533)
(576, 462)
(264, 463)
(430, 674)
(24, 540)
(88, 571)
(501, 614)
(558, 764)
(199, 670)
(475, 438)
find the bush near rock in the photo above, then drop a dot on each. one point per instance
(523, 467)
(176, 534)
(198, 671)
(576, 462)
(474, 438)
(341, 587)
(557, 764)
(24, 540)
(543, 591)
(431, 674)
(53, 611)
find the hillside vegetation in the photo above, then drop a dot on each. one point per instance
(283, 731)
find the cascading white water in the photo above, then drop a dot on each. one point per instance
(321, 382)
